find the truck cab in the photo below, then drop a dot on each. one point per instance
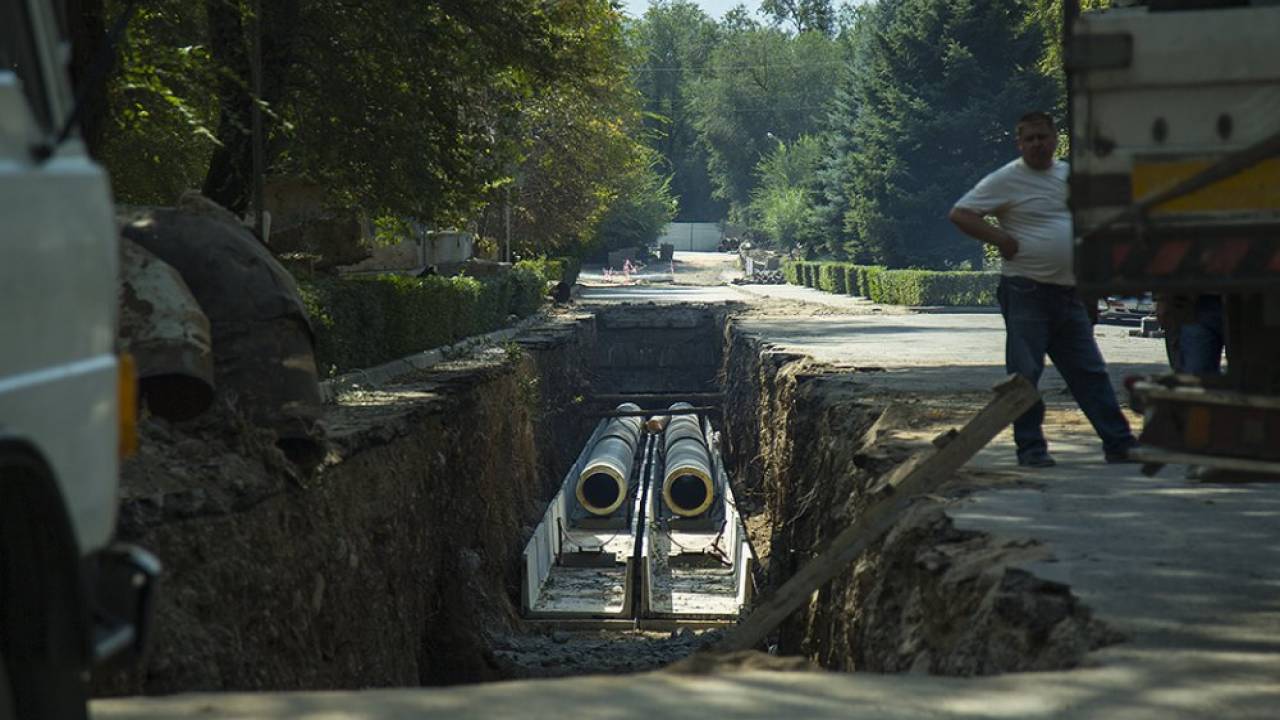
(69, 597)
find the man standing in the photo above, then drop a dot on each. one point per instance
(1037, 295)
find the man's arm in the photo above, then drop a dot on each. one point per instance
(973, 225)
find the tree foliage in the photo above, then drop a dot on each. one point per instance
(584, 164)
(936, 88)
(847, 130)
(428, 110)
(762, 84)
(802, 15)
(644, 207)
(782, 202)
(158, 120)
(673, 44)
(418, 108)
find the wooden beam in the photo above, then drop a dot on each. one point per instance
(918, 475)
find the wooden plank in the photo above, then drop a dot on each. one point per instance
(920, 474)
(1260, 468)
(1152, 392)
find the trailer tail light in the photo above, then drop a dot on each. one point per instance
(127, 404)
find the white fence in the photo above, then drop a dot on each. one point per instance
(702, 237)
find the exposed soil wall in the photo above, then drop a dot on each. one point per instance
(391, 566)
(806, 443)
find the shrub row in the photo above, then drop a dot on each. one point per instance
(362, 322)
(895, 287)
(834, 277)
(555, 269)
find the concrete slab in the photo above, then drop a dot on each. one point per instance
(1190, 572)
(959, 352)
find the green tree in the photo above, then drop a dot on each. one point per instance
(644, 206)
(581, 163)
(937, 88)
(782, 203)
(673, 43)
(407, 110)
(803, 15)
(419, 109)
(155, 129)
(761, 82)
(829, 234)
(1047, 16)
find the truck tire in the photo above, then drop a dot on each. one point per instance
(43, 625)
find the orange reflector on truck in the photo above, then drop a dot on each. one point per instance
(1196, 434)
(127, 404)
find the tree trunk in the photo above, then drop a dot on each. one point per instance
(229, 181)
(230, 170)
(86, 25)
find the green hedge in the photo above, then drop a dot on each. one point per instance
(831, 278)
(895, 287)
(555, 269)
(929, 287)
(791, 272)
(364, 322)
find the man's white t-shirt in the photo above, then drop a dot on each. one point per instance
(1031, 205)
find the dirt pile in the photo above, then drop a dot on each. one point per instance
(928, 597)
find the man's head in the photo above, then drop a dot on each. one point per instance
(1037, 139)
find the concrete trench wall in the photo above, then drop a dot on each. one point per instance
(390, 567)
(927, 598)
(656, 348)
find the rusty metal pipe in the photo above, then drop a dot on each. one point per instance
(163, 327)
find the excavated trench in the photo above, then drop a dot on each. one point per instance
(398, 562)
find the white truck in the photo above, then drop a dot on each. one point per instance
(1175, 189)
(69, 597)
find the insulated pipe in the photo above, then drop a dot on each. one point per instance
(602, 485)
(687, 488)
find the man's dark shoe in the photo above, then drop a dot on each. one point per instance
(1037, 460)
(1122, 456)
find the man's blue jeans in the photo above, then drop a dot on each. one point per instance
(1040, 319)
(1201, 341)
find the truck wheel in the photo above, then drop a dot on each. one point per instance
(43, 628)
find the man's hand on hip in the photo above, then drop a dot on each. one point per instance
(1008, 246)
(975, 226)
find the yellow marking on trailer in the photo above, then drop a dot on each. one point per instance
(1255, 189)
